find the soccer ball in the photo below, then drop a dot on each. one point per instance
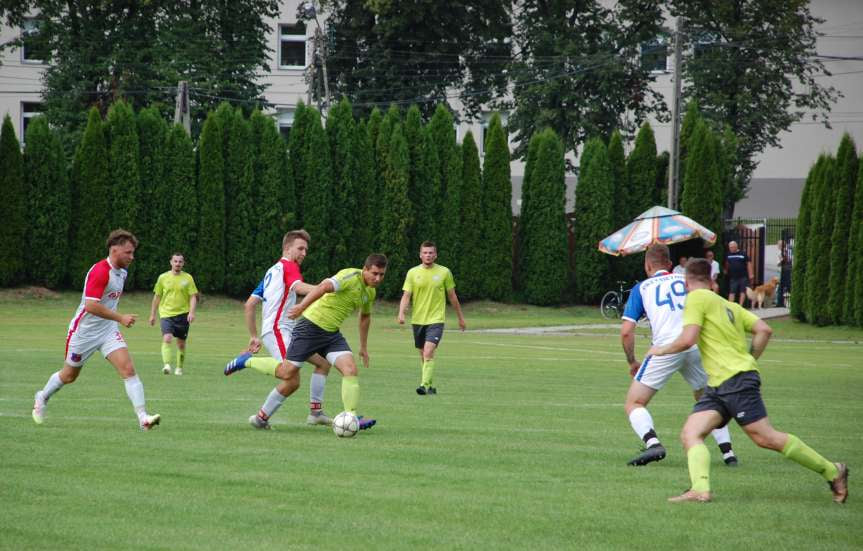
(346, 425)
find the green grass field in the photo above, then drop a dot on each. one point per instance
(525, 447)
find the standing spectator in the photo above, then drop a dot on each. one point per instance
(784, 274)
(681, 266)
(714, 270)
(738, 266)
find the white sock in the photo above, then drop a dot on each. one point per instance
(272, 404)
(135, 392)
(53, 385)
(642, 423)
(316, 388)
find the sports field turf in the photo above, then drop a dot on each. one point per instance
(525, 446)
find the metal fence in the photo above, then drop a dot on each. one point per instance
(753, 235)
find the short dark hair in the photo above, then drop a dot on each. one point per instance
(698, 268)
(293, 235)
(426, 244)
(377, 260)
(121, 237)
(178, 253)
(658, 254)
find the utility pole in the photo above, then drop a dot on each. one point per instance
(674, 161)
(181, 111)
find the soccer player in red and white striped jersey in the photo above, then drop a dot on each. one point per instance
(95, 327)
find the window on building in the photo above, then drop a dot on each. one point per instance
(286, 122)
(28, 111)
(292, 46)
(654, 54)
(33, 49)
(704, 43)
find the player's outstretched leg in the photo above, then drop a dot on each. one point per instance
(55, 383)
(238, 363)
(642, 424)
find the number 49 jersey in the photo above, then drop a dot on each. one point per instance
(661, 299)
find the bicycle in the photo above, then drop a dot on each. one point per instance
(613, 302)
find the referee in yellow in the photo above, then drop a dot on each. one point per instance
(425, 287)
(176, 296)
(733, 391)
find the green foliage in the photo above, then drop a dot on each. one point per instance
(303, 118)
(803, 232)
(448, 238)
(152, 134)
(543, 247)
(818, 249)
(91, 200)
(341, 131)
(853, 313)
(427, 224)
(123, 167)
(641, 171)
(622, 210)
(687, 128)
(702, 193)
(594, 218)
(179, 196)
(579, 67)
(419, 190)
(363, 236)
(396, 217)
(318, 199)
(210, 247)
(496, 219)
(378, 54)
(472, 264)
(241, 273)
(529, 196)
(847, 169)
(272, 203)
(48, 204)
(660, 190)
(733, 186)
(13, 207)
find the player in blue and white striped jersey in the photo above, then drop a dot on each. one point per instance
(660, 298)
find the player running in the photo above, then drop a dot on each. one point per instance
(719, 327)
(661, 298)
(278, 292)
(94, 327)
(424, 289)
(176, 297)
(323, 311)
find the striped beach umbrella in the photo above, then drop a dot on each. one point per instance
(655, 225)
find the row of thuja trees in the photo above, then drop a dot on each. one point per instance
(827, 272)
(385, 184)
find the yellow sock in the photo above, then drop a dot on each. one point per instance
(351, 393)
(181, 358)
(428, 372)
(698, 458)
(166, 352)
(267, 366)
(799, 452)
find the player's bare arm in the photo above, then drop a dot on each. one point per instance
(96, 308)
(687, 339)
(453, 300)
(627, 339)
(324, 287)
(403, 306)
(193, 305)
(153, 308)
(251, 325)
(303, 288)
(761, 333)
(365, 323)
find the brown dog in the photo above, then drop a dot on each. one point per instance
(764, 292)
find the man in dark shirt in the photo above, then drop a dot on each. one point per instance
(738, 266)
(784, 273)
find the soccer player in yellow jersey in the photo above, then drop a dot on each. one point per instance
(734, 388)
(424, 288)
(176, 297)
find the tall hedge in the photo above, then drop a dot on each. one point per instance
(818, 249)
(48, 205)
(363, 236)
(450, 202)
(594, 219)
(801, 242)
(641, 172)
(13, 211)
(660, 189)
(687, 128)
(853, 311)
(341, 132)
(272, 203)
(91, 200)
(123, 165)
(396, 217)
(847, 168)
(179, 197)
(152, 134)
(471, 266)
(241, 274)
(702, 195)
(496, 219)
(418, 182)
(544, 247)
(529, 196)
(317, 199)
(210, 247)
(296, 158)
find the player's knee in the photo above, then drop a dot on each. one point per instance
(68, 376)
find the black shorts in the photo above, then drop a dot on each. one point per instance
(427, 333)
(738, 398)
(308, 339)
(177, 326)
(738, 285)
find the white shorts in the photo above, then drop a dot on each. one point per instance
(277, 346)
(656, 370)
(80, 346)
